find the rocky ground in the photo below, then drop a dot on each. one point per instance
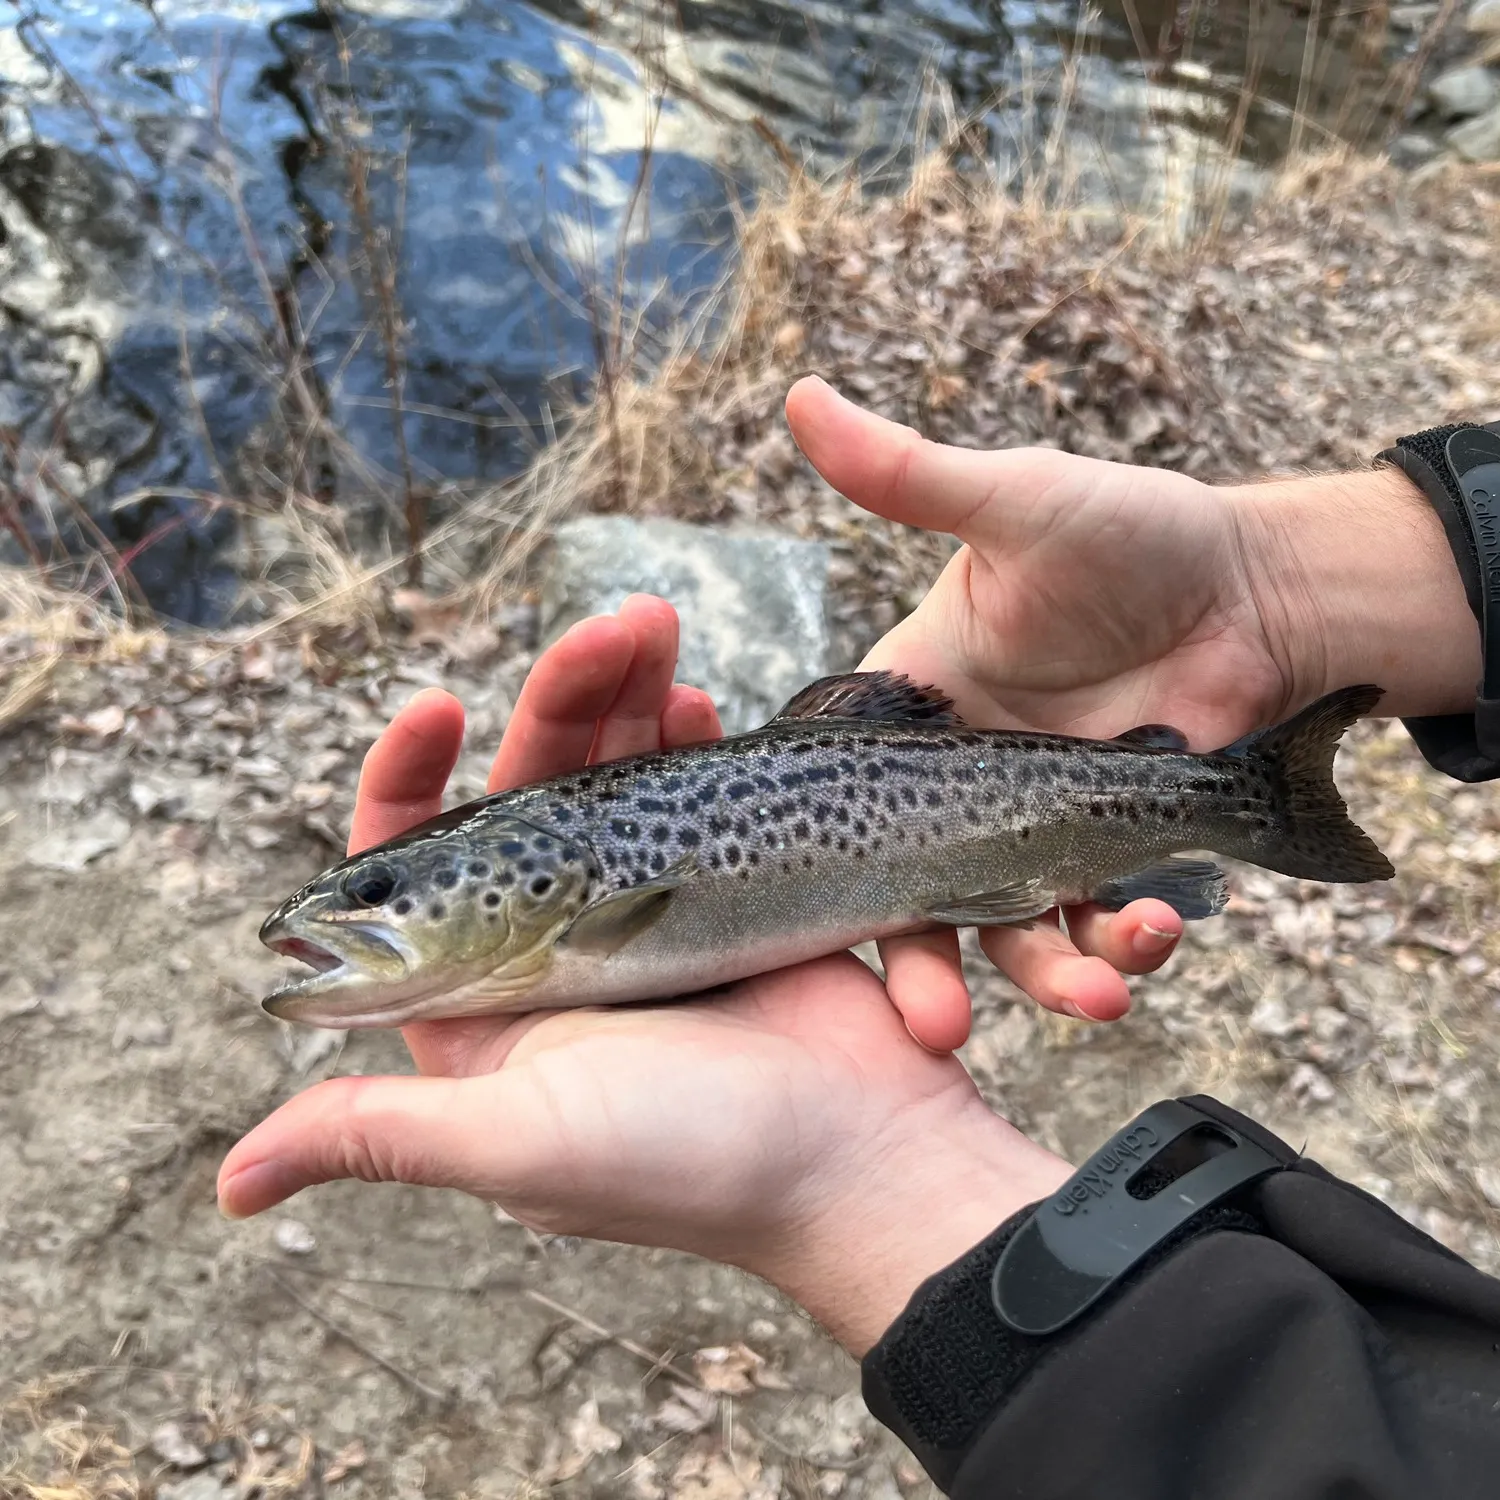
(158, 795)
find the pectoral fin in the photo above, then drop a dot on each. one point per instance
(1193, 888)
(605, 926)
(1004, 906)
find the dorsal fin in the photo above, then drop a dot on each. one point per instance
(1154, 737)
(870, 695)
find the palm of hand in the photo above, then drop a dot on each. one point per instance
(632, 1114)
(1107, 597)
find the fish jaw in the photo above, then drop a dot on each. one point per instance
(367, 977)
(358, 969)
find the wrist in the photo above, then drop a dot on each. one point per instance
(908, 1208)
(1354, 581)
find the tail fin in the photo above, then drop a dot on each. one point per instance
(1316, 840)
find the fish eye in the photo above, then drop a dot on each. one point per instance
(371, 885)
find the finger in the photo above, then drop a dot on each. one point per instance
(1135, 940)
(1044, 961)
(924, 977)
(401, 782)
(689, 718)
(416, 1130)
(571, 686)
(631, 725)
(895, 472)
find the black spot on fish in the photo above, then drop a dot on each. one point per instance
(506, 880)
(791, 779)
(801, 831)
(512, 847)
(446, 878)
(744, 874)
(1025, 834)
(402, 907)
(561, 815)
(841, 815)
(874, 770)
(492, 899)
(732, 856)
(1096, 810)
(932, 798)
(689, 838)
(541, 885)
(437, 911)
(737, 789)
(661, 833)
(843, 846)
(541, 841)
(650, 804)
(479, 869)
(526, 866)
(861, 828)
(754, 857)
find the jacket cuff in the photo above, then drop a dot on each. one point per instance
(941, 1370)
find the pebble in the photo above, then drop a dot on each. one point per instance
(1464, 92)
(172, 1447)
(294, 1237)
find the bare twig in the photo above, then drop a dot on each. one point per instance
(349, 1337)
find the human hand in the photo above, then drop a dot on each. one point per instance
(790, 1126)
(1091, 597)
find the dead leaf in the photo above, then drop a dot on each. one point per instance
(790, 339)
(350, 1457)
(588, 1437)
(728, 1370)
(686, 1410)
(102, 723)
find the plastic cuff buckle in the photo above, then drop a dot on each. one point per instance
(1143, 1185)
(1473, 455)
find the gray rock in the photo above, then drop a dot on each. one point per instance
(1464, 92)
(1412, 150)
(1478, 140)
(199, 1487)
(752, 604)
(1484, 16)
(71, 845)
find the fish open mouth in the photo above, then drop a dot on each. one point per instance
(311, 954)
(333, 970)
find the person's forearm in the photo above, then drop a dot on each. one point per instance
(857, 1255)
(1354, 573)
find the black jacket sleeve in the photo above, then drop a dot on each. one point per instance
(1299, 1342)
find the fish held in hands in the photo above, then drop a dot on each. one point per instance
(866, 808)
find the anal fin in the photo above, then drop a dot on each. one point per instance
(1006, 905)
(1193, 888)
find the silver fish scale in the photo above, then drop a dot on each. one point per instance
(791, 796)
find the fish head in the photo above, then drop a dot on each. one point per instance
(449, 920)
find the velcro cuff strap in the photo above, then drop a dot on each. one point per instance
(1458, 469)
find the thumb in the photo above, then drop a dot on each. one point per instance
(896, 473)
(416, 1130)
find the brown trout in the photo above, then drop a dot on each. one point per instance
(864, 809)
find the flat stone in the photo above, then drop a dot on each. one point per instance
(752, 604)
(72, 844)
(1478, 140)
(1464, 92)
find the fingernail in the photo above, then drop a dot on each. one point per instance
(1151, 940)
(265, 1184)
